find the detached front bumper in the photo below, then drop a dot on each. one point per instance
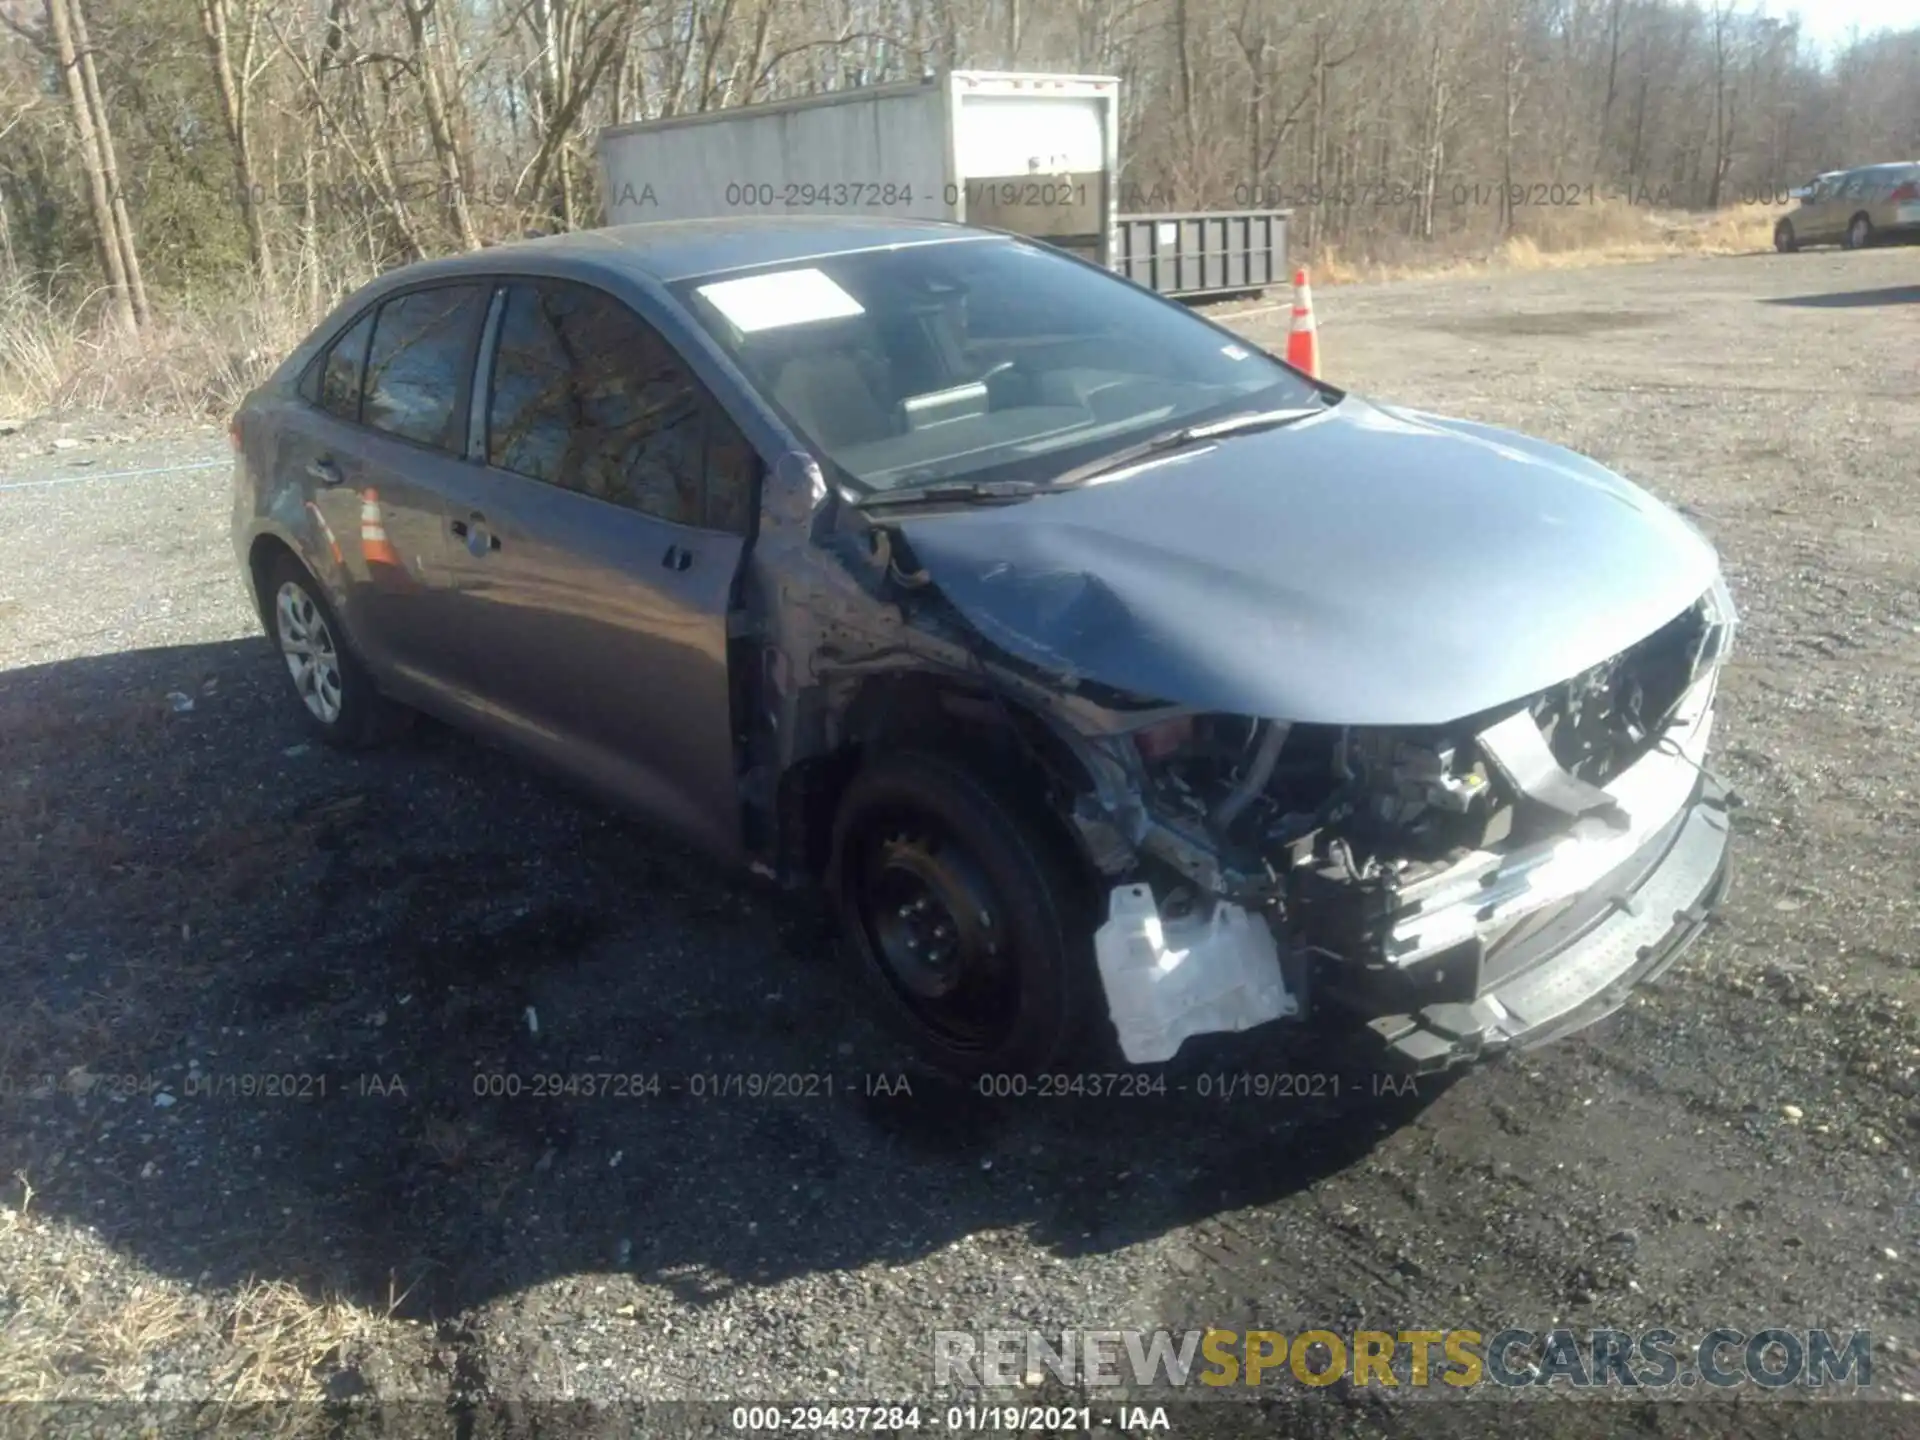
(1579, 963)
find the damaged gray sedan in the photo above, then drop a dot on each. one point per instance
(1120, 684)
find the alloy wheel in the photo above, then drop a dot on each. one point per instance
(312, 656)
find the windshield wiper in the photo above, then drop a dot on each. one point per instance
(936, 490)
(1176, 439)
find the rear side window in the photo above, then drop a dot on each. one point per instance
(588, 397)
(418, 364)
(340, 371)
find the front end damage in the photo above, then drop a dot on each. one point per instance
(1461, 888)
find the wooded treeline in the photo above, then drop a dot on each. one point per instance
(202, 146)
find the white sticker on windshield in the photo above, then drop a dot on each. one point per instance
(792, 297)
(1233, 352)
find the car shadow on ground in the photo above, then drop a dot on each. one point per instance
(423, 1023)
(1852, 299)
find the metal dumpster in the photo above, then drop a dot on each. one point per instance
(1203, 253)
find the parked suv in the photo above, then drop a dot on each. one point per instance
(1119, 683)
(1854, 208)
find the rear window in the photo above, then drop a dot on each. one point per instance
(420, 361)
(340, 370)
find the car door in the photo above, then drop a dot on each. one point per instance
(373, 450)
(1817, 224)
(597, 542)
(1877, 199)
(1843, 204)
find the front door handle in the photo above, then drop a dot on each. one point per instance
(678, 557)
(324, 470)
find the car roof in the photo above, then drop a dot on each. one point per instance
(671, 250)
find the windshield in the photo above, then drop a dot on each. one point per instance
(976, 360)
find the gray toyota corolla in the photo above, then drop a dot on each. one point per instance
(1119, 683)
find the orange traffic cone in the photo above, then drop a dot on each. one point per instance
(373, 532)
(1303, 342)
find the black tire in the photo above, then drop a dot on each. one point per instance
(1015, 988)
(363, 717)
(1783, 238)
(1859, 233)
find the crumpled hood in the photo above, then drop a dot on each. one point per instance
(1368, 566)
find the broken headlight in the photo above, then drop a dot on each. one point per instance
(1261, 787)
(1722, 621)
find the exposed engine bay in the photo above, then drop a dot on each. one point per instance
(1373, 851)
(1373, 802)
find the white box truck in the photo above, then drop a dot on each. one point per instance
(1035, 154)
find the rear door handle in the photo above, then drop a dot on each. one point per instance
(324, 470)
(678, 557)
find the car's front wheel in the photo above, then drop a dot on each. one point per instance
(1859, 233)
(1783, 238)
(966, 916)
(338, 700)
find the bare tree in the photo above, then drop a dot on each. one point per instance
(1390, 127)
(454, 176)
(113, 231)
(233, 78)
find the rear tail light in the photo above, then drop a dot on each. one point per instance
(1908, 191)
(233, 432)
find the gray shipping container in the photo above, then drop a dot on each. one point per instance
(1034, 154)
(1201, 253)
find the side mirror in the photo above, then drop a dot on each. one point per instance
(793, 489)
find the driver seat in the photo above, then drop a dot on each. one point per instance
(828, 396)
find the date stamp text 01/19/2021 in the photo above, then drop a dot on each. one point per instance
(622, 1085)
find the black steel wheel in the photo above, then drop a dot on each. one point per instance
(965, 914)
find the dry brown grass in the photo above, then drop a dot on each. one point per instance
(75, 1326)
(196, 358)
(1566, 238)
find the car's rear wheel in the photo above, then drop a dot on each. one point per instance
(338, 700)
(1783, 238)
(1859, 233)
(964, 914)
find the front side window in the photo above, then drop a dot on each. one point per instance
(421, 354)
(589, 397)
(976, 359)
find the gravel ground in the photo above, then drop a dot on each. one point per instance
(194, 898)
